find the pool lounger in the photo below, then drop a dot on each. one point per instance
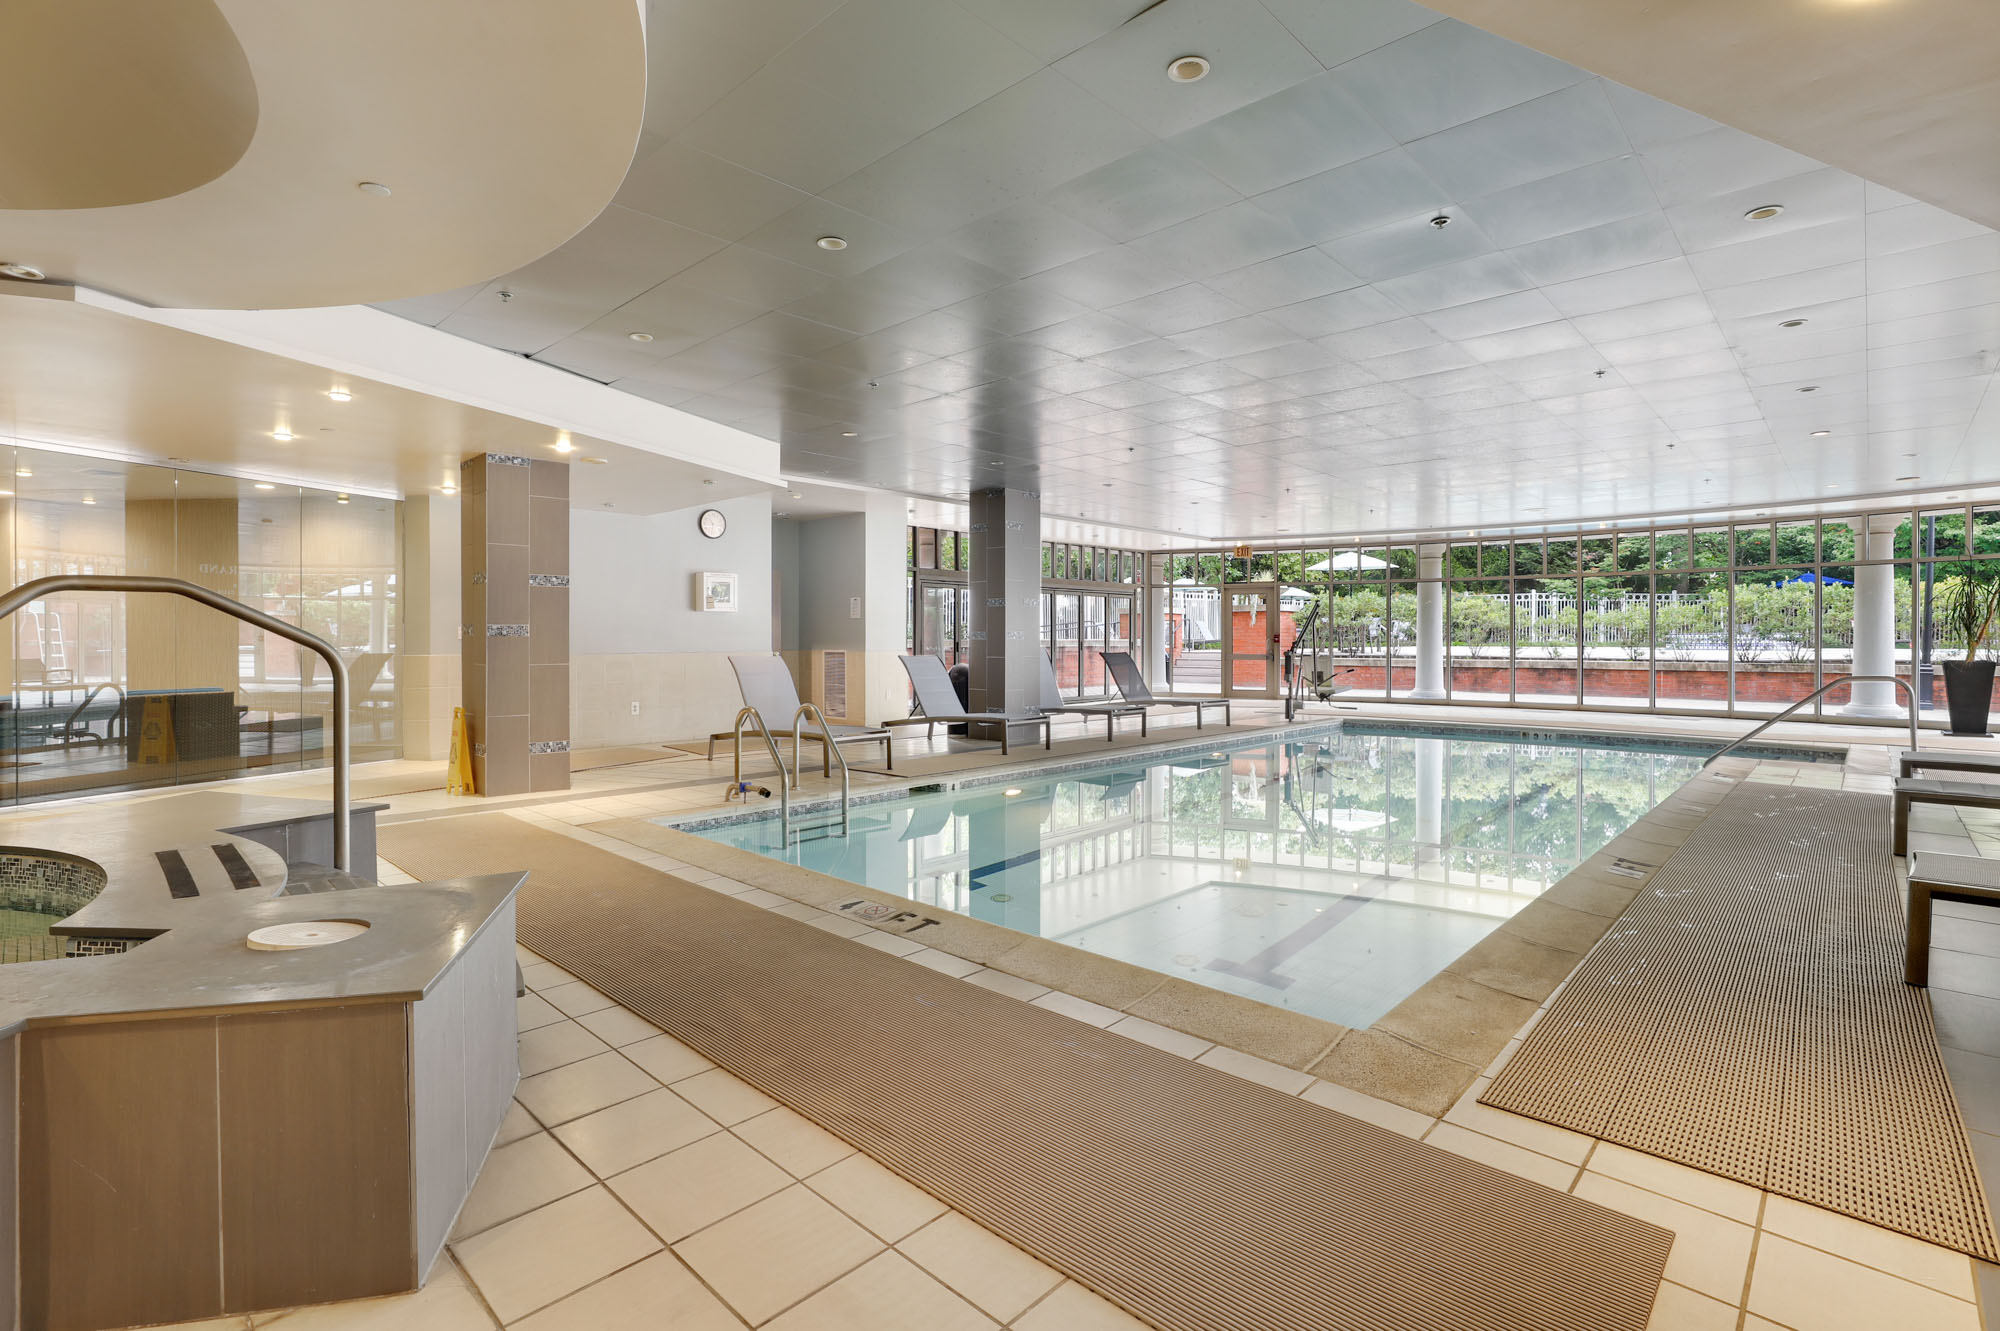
(1125, 674)
(939, 705)
(1933, 877)
(1911, 761)
(1929, 790)
(767, 685)
(1054, 704)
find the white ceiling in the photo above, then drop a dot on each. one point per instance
(1220, 309)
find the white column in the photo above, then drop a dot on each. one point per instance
(1430, 622)
(1158, 599)
(1875, 618)
(1430, 802)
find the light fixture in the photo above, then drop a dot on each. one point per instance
(1441, 221)
(831, 242)
(340, 499)
(1187, 68)
(562, 443)
(797, 495)
(340, 395)
(1792, 323)
(448, 489)
(640, 337)
(265, 485)
(849, 434)
(1821, 434)
(1764, 212)
(22, 471)
(595, 462)
(1011, 790)
(90, 499)
(374, 189)
(283, 435)
(27, 272)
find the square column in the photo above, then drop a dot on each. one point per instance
(514, 544)
(1006, 588)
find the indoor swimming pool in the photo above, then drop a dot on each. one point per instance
(1331, 871)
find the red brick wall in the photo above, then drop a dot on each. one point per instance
(1249, 637)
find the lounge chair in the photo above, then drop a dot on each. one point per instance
(767, 685)
(939, 705)
(1972, 879)
(1929, 790)
(1911, 761)
(1055, 704)
(1125, 674)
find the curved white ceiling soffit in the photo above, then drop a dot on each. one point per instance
(500, 127)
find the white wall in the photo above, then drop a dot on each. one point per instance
(635, 634)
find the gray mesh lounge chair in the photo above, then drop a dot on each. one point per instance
(1055, 704)
(1125, 674)
(938, 701)
(1911, 761)
(1930, 790)
(767, 686)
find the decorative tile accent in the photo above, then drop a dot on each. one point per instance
(506, 630)
(509, 460)
(479, 579)
(548, 579)
(548, 746)
(478, 748)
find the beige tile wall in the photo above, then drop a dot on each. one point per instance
(681, 695)
(432, 687)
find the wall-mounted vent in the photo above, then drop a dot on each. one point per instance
(833, 684)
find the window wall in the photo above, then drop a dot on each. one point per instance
(116, 691)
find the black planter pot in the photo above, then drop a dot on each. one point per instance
(1968, 687)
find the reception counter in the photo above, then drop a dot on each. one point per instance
(202, 1127)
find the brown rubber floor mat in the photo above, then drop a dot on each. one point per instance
(1748, 1016)
(1197, 1200)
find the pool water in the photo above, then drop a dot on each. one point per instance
(1330, 872)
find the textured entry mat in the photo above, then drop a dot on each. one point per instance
(1199, 1201)
(1748, 1016)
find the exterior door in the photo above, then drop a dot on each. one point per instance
(943, 609)
(1254, 634)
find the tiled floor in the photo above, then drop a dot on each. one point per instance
(636, 1186)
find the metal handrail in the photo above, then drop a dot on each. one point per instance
(1897, 680)
(69, 722)
(133, 582)
(811, 712)
(784, 777)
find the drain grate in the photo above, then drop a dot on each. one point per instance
(1748, 1016)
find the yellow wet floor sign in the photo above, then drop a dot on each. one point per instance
(458, 769)
(156, 732)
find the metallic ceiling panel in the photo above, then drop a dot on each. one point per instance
(689, 188)
(1372, 192)
(1141, 193)
(1300, 275)
(751, 276)
(1177, 309)
(1560, 132)
(1337, 313)
(1308, 128)
(793, 236)
(1228, 238)
(1026, 239)
(1568, 201)
(1450, 284)
(1336, 34)
(1400, 84)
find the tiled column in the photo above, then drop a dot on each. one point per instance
(514, 537)
(1006, 586)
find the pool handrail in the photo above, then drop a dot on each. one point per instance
(752, 715)
(1897, 680)
(812, 713)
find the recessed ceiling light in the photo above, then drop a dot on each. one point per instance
(282, 435)
(849, 434)
(1187, 68)
(640, 337)
(22, 471)
(1821, 434)
(797, 495)
(340, 395)
(1764, 212)
(595, 462)
(1807, 388)
(563, 445)
(448, 489)
(340, 499)
(27, 272)
(831, 242)
(1833, 487)
(265, 485)
(374, 189)
(90, 499)
(1011, 790)
(1792, 323)
(6, 494)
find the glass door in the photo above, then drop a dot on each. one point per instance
(943, 611)
(1255, 633)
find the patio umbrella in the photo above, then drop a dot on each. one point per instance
(1347, 561)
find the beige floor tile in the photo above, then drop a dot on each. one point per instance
(1074, 1308)
(555, 1045)
(533, 1261)
(1082, 1009)
(798, 1145)
(1161, 1037)
(840, 925)
(1541, 1138)
(887, 1293)
(944, 962)
(996, 1276)
(755, 896)
(694, 1187)
(530, 1173)
(616, 1027)
(634, 1131)
(1000, 982)
(545, 975)
(532, 1012)
(574, 1000)
(445, 1303)
(582, 1088)
(723, 1097)
(768, 1256)
(1898, 1254)
(1738, 1201)
(1260, 1070)
(877, 1197)
(1809, 1290)
(1710, 1254)
(516, 1124)
(231, 1323)
(659, 1294)
(804, 914)
(1679, 1308)
(894, 944)
(666, 1058)
(1356, 1104)
(1548, 1172)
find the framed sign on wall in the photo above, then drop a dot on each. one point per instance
(715, 591)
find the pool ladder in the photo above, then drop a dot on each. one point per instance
(788, 777)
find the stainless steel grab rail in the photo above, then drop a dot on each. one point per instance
(133, 582)
(784, 777)
(811, 712)
(1897, 680)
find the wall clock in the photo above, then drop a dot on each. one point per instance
(713, 524)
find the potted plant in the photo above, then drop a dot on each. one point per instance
(1966, 607)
